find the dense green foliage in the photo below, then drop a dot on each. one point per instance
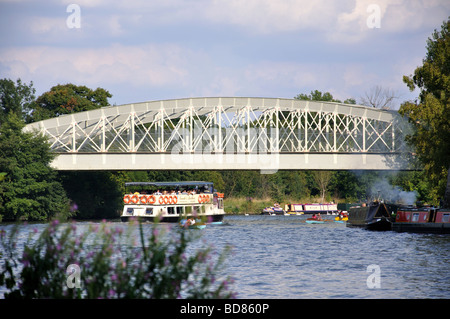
(125, 261)
(66, 99)
(15, 98)
(430, 115)
(30, 188)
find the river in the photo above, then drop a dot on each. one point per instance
(282, 257)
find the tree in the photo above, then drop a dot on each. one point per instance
(430, 114)
(93, 194)
(68, 98)
(317, 96)
(379, 98)
(344, 184)
(16, 98)
(30, 189)
(324, 97)
(322, 179)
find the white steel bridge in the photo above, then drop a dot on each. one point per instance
(227, 133)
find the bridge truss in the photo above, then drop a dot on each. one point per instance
(220, 127)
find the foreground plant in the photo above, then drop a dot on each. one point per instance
(110, 262)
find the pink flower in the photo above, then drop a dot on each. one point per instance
(111, 293)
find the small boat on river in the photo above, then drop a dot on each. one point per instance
(342, 218)
(375, 216)
(273, 210)
(192, 223)
(172, 201)
(422, 220)
(315, 219)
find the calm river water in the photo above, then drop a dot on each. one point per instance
(282, 257)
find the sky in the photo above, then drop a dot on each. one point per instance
(166, 49)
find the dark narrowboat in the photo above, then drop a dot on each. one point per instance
(374, 216)
(422, 220)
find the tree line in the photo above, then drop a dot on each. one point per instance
(31, 190)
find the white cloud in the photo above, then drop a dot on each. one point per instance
(151, 65)
(337, 52)
(268, 16)
(337, 21)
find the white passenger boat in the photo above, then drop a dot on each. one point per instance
(172, 201)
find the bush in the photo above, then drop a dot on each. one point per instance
(110, 263)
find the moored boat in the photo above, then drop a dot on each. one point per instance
(375, 216)
(273, 210)
(300, 209)
(422, 220)
(181, 200)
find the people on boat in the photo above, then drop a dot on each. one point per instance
(342, 215)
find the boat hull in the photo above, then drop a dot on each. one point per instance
(315, 221)
(434, 228)
(273, 213)
(376, 217)
(422, 220)
(171, 219)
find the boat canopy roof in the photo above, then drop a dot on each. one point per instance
(377, 209)
(172, 184)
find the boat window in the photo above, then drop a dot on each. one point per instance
(445, 218)
(415, 217)
(149, 211)
(188, 210)
(220, 204)
(180, 210)
(130, 211)
(196, 210)
(170, 210)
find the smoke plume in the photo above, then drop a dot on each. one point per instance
(392, 194)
